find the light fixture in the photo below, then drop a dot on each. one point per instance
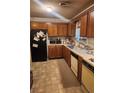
(49, 9)
(65, 3)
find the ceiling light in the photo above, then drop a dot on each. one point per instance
(64, 3)
(49, 9)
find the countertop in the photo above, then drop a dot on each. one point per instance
(55, 44)
(80, 52)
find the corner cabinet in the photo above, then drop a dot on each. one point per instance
(71, 29)
(90, 26)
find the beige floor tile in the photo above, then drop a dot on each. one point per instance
(49, 77)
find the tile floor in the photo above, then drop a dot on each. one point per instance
(54, 76)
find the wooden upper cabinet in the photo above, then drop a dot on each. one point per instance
(43, 25)
(52, 29)
(62, 29)
(90, 28)
(83, 27)
(71, 29)
(38, 25)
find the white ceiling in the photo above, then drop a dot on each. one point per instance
(38, 8)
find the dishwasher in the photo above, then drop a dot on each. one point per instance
(74, 63)
(87, 77)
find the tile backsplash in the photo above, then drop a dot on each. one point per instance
(54, 38)
(87, 41)
(91, 41)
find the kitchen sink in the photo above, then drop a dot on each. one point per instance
(70, 46)
(90, 52)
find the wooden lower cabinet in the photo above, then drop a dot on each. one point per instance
(58, 50)
(68, 58)
(55, 51)
(79, 69)
(51, 51)
(67, 55)
(64, 51)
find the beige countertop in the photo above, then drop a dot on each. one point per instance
(82, 53)
(55, 44)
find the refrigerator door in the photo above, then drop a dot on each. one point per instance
(38, 44)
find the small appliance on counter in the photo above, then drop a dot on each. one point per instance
(55, 41)
(52, 41)
(58, 41)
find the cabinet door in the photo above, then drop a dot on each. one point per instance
(37, 25)
(52, 29)
(65, 30)
(68, 57)
(83, 25)
(71, 29)
(62, 29)
(64, 52)
(51, 51)
(79, 68)
(90, 28)
(58, 51)
(34, 25)
(43, 25)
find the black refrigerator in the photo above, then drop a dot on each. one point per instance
(38, 45)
